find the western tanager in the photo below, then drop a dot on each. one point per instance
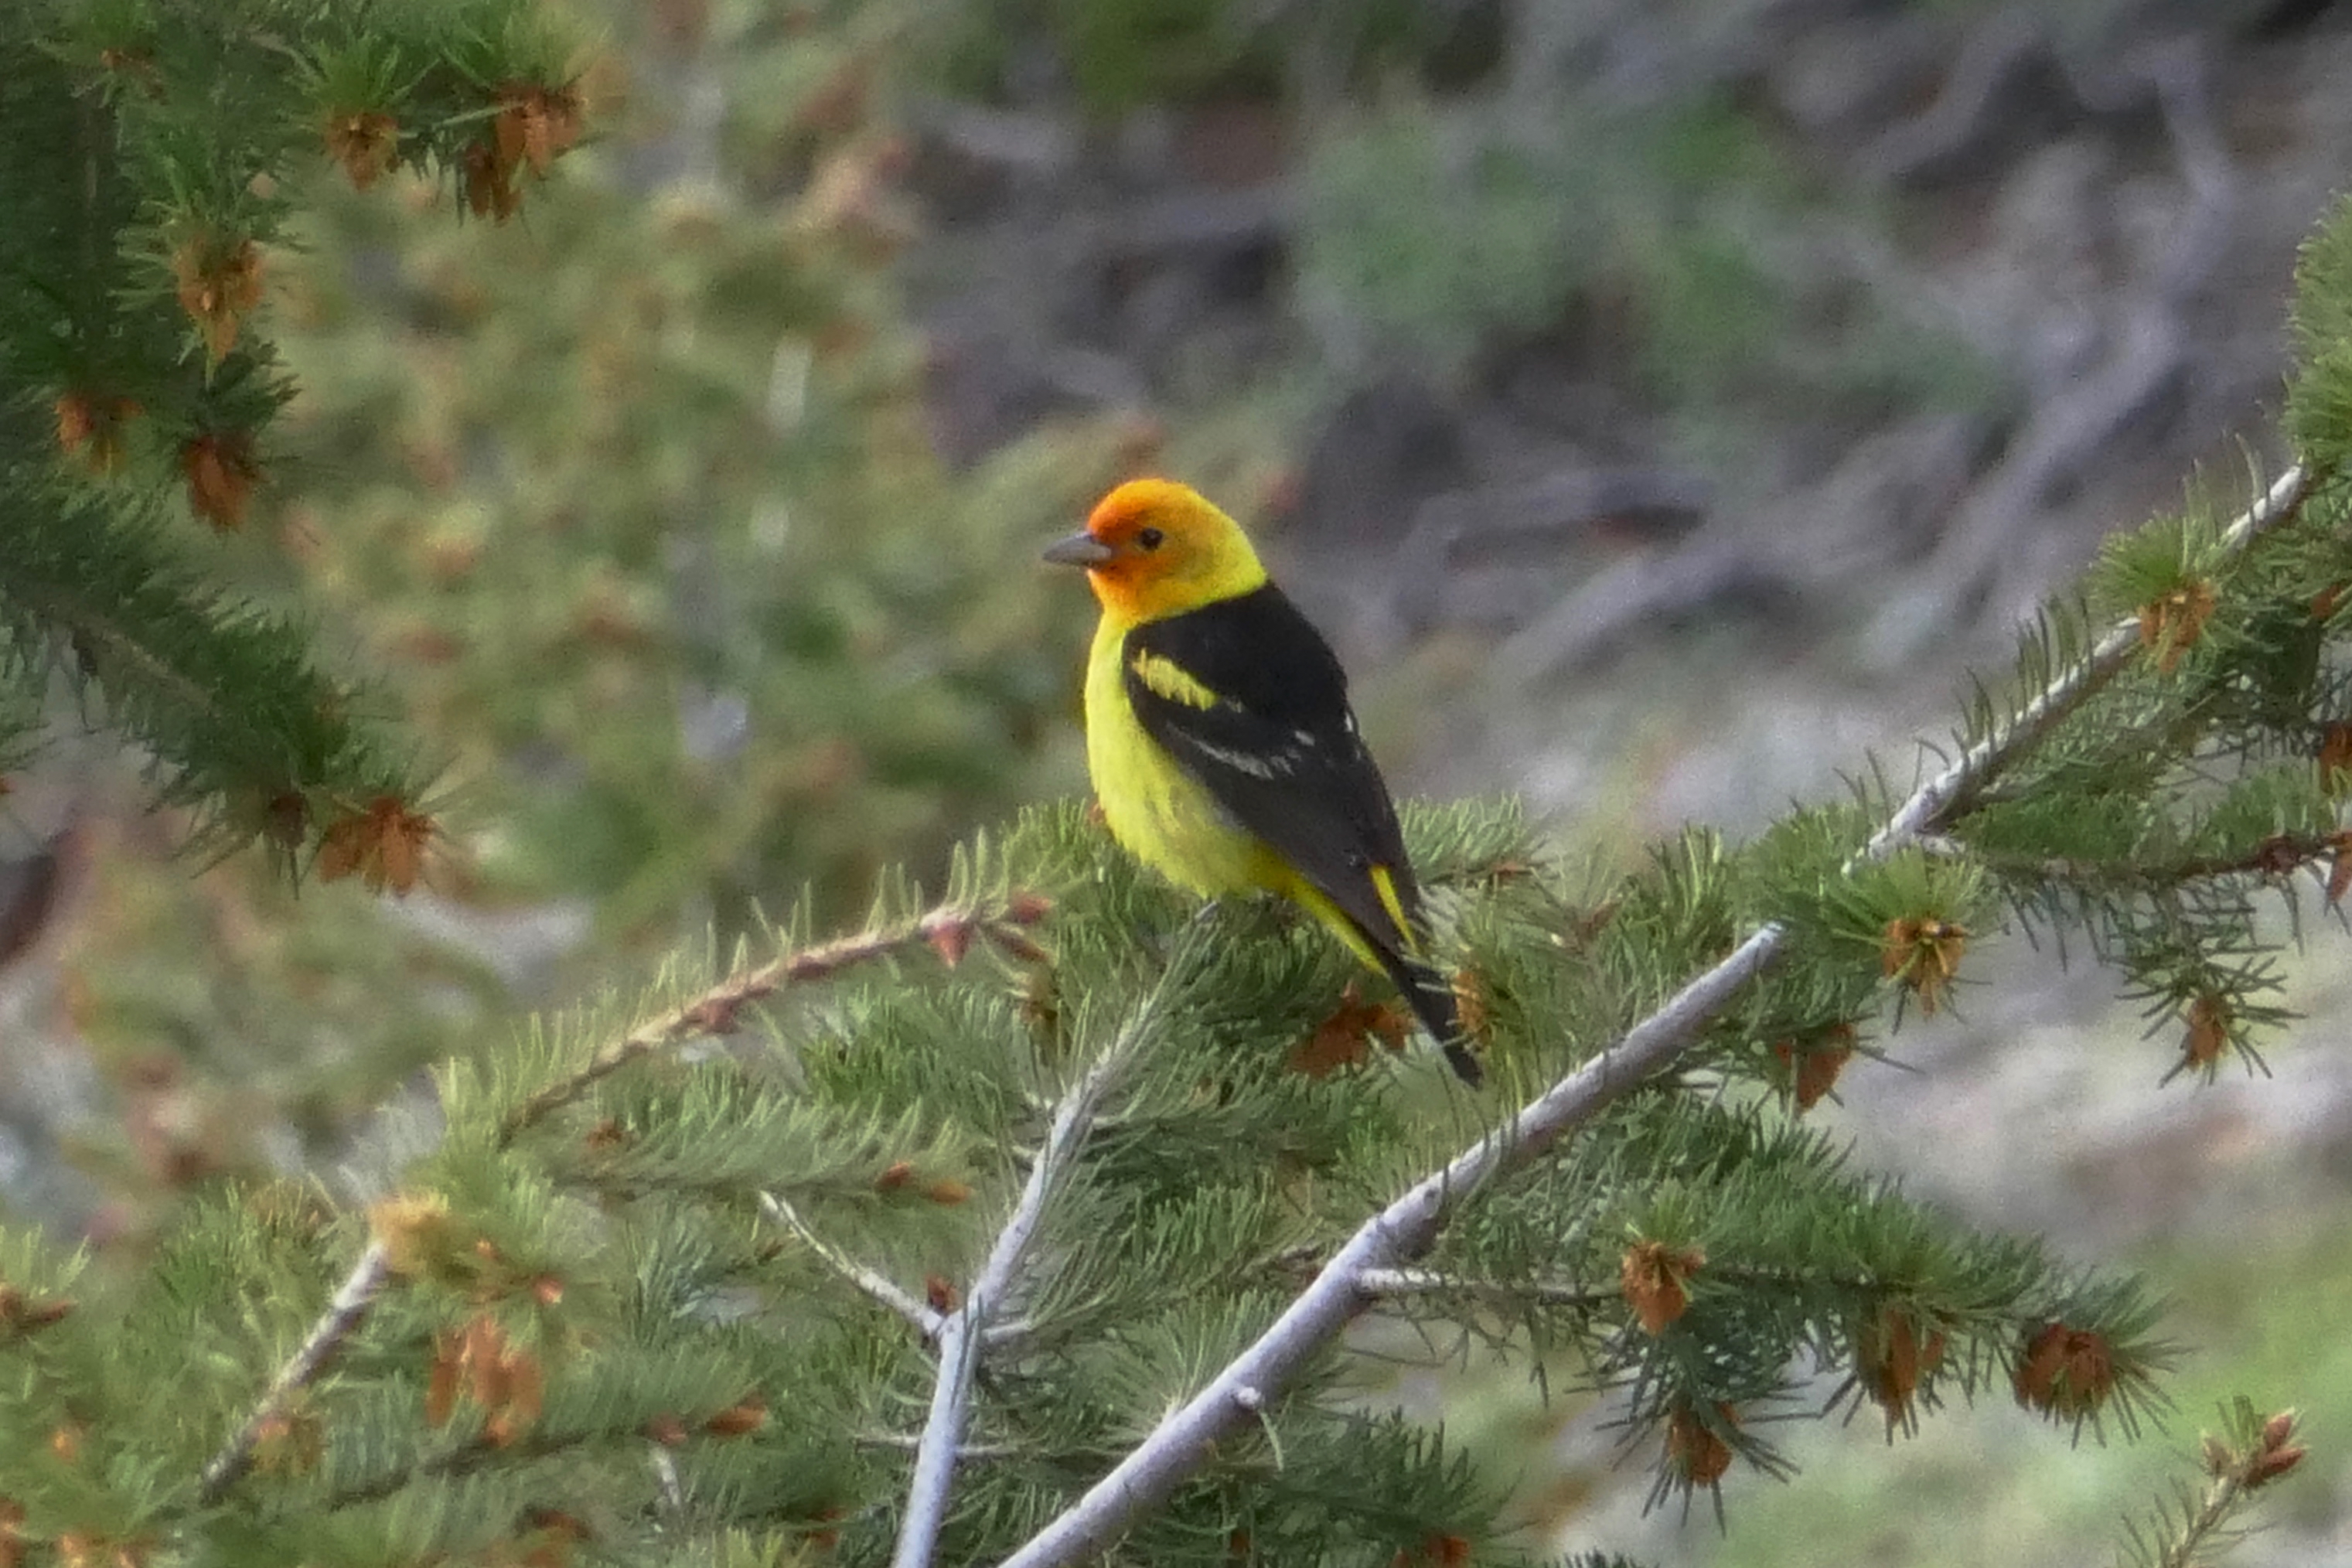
(1220, 742)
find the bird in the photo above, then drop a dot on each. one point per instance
(1221, 746)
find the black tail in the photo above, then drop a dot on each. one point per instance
(1430, 994)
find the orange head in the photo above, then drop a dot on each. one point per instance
(1154, 548)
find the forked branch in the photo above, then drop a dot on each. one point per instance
(962, 1336)
(1393, 1238)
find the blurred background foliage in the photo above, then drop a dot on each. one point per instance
(627, 511)
(1658, 402)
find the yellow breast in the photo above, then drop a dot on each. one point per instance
(1156, 810)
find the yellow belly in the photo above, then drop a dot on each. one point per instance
(1155, 810)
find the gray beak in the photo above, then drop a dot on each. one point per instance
(1079, 549)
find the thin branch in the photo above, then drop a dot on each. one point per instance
(1402, 1231)
(2237, 1470)
(948, 929)
(2199, 1530)
(960, 1337)
(2275, 858)
(1946, 795)
(909, 1442)
(481, 1452)
(470, 1457)
(1394, 1284)
(927, 1321)
(344, 1316)
(1183, 1443)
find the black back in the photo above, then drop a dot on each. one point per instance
(1279, 749)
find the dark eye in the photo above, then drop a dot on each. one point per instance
(1149, 539)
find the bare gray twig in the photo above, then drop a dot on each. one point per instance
(345, 1312)
(926, 1321)
(964, 1330)
(1392, 1284)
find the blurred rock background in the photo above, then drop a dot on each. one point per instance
(1664, 404)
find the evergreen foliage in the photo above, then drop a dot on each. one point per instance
(969, 1205)
(626, 508)
(144, 175)
(697, 626)
(683, 1270)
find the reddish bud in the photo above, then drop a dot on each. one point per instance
(1892, 1354)
(286, 818)
(2336, 758)
(383, 844)
(2067, 1372)
(2278, 855)
(537, 125)
(713, 1016)
(1346, 1038)
(94, 430)
(220, 470)
(441, 1381)
(288, 1443)
(746, 1416)
(1924, 953)
(1697, 1452)
(1815, 1065)
(2271, 1466)
(487, 182)
(2208, 1033)
(364, 142)
(219, 279)
(2172, 623)
(949, 936)
(2278, 1453)
(1654, 1279)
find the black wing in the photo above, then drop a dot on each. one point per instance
(1257, 713)
(1278, 747)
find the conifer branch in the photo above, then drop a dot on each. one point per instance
(1404, 1230)
(470, 1457)
(1943, 797)
(2201, 1528)
(2279, 856)
(948, 929)
(926, 1321)
(1395, 1284)
(907, 1442)
(2252, 1452)
(345, 1312)
(960, 1338)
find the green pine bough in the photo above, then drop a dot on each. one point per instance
(1010, 1226)
(1021, 1224)
(149, 171)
